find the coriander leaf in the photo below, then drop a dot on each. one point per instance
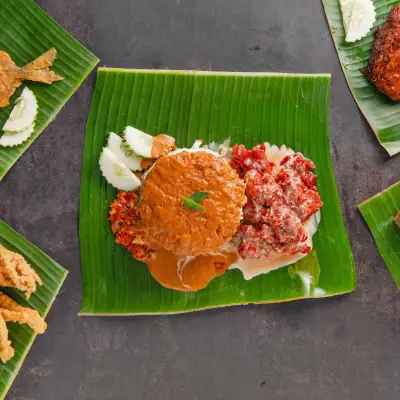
(198, 197)
(192, 204)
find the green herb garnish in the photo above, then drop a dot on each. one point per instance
(193, 202)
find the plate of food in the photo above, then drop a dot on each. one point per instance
(207, 189)
(382, 214)
(29, 282)
(41, 66)
(366, 35)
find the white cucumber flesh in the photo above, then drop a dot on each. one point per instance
(24, 112)
(115, 145)
(116, 172)
(11, 139)
(358, 18)
(139, 142)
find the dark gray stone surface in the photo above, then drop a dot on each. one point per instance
(341, 348)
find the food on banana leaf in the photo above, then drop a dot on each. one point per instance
(148, 146)
(23, 114)
(10, 311)
(136, 151)
(116, 172)
(118, 147)
(383, 69)
(12, 76)
(199, 212)
(358, 18)
(21, 122)
(11, 139)
(17, 273)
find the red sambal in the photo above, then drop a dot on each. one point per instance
(280, 199)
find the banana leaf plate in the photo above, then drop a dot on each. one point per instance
(382, 114)
(52, 275)
(249, 108)
(379, 212)
(26, 32)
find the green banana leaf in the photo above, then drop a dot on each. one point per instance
(379, 212)
(382, 114)
(26, 32)
(250, 108)
(52, 275)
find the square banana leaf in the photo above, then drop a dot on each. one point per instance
(250, 108)
(379, 212)
(52, 276)
(382, 114)
(26, 32)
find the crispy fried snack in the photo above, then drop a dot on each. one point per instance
(13, 312)
(12, 76)
(16, 272)
(6, 351)
(384, 65)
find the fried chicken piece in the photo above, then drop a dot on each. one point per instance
(17, 273)
(12, 76)
(397, 219)
(383, 69)
(12, 312)
(6, 351)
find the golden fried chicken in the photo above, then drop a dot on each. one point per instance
(10, 311)
(12, 76)
(16, 272)
(6, 351)
(383, 69)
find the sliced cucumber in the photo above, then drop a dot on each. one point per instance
(358, 18)
(141, 143)
(11, 139)
(131, 161)
(116, 172)
(24, 112)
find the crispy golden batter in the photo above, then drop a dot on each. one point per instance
(16, 272)
(12, 76)
(12, 312)
(6, 351)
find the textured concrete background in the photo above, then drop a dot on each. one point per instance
(341, 348)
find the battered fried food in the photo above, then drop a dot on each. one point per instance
(17, 273)
(384, 65)
(6, 351)
(11, 311)
(12, 76)
(182, 230)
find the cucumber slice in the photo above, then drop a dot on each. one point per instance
(141, 143)
(116, 172)
(131, 161)
(24, 112)
(11, 139)
(358, 18)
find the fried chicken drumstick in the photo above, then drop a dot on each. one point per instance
(383, 69)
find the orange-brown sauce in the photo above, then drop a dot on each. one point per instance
(162, 145)
(188, 274)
